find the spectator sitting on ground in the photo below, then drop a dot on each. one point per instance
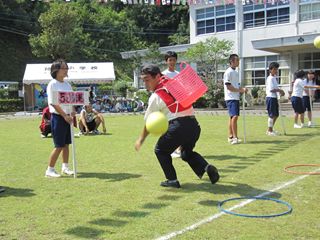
(98, 106)
(139, 105)
(107, 105)
(45, 126)
(90, 120)
(119, 106)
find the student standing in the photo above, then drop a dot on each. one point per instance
(184, 131)
(232, 92)
(271, 97)
(61, 118)
(171, 59)
(308, 95)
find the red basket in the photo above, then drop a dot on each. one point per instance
(186, 87)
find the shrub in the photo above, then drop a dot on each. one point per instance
(11, 105)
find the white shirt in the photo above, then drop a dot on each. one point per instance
(170, 74)
(57, 86)
(298, 88)
(156, 104)
(231, 76)
(271, 84)
(310, 83)
(89, 116)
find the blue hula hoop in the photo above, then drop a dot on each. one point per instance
(255, 216)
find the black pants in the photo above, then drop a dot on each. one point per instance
(184, 132)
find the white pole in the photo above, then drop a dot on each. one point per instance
(281, 117)
(310, 100)
(74, 162)
(244, 117)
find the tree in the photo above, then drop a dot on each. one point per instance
(208, 55)
(62, 34)
(182, 35)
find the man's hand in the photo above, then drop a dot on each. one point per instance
(68, 118)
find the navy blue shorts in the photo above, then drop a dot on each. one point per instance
(233, 107)
(272, 107)
(297, 104)
(306, 103)
(60, 131)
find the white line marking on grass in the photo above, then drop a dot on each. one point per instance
(243, 203)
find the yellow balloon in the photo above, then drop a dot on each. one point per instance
(157, 123)
(316, 42)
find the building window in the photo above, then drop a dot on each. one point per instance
(216, 19)
(271, 13)
(309, 9)
(309, 61)
(256, 69)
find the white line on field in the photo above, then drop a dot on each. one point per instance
(243, 203)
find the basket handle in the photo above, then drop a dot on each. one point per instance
(183, 63)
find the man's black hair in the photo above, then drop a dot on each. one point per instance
(273, 65)
(56, 65)
(232, 57)
(151, 69)
(170, 54)
(300, 74)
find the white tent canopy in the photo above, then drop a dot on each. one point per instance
(79, 73)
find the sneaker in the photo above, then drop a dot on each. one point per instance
(213, 174)
(235, 141)
(297, 126)
(311, 124)
(176, 154)
(43, 136)
(67, 171)
(2, 189)
(230, 139)
(170, 183)
(52, 173)
(273, 133)
(96, 132)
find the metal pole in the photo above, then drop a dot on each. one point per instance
(244, 117)
(310, 100)
(74, 162)
(281, 118)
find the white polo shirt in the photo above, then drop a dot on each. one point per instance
(231, 76)
(155, 104)
(310, 83)
(57, 86)
(170, 74)
(271, 84)
(298, 88)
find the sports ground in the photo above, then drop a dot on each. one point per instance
(117, 193)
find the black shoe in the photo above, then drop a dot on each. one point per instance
(2, 189)
(213, 174)
(170, 183)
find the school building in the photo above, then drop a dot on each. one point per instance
(263, 31)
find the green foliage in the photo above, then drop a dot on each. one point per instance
(215, 94)
(254, 91)
(143, 95)
(208, 55)
(11, 105)
(153, 55)
(214, 97)
(61, 34)
(182, 34)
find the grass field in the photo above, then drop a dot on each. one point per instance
(117, 193)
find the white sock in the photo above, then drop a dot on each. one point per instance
(270, 122)
(65, 165)
(50, 168)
